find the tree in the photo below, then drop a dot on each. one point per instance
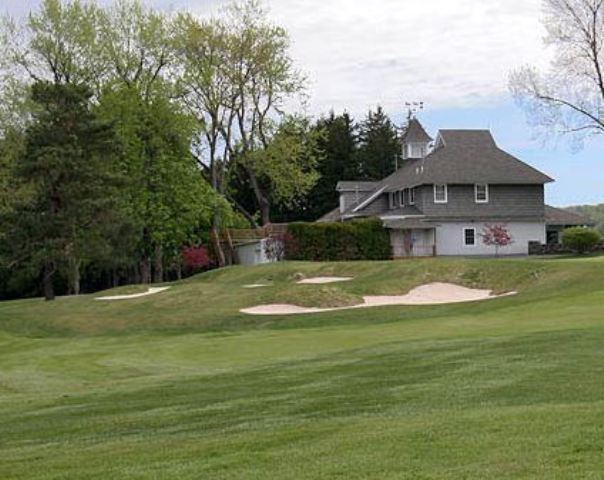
(58, 43)
(379, 146)
(167, 198)
(284, 168)
(496, 235)
(337, 142)
(581, 240)
(569, 98)
(238, 77)
(70, 179)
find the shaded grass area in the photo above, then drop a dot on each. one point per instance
(510, 388)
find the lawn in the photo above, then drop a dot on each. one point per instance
(181, 385)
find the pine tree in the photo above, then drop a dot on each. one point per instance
(68, 178)
(337, 161)
(378, 146)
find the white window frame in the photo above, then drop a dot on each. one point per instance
(486, 191)
(463, 237)
(401, 198)
(446, 199)
(412, 196)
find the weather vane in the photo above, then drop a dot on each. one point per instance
(413, 108)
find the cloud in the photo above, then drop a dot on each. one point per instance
(449, 53)
(357, 53)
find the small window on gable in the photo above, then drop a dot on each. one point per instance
(440, 194)
(412, 196)
(481, 193)
(469, 237)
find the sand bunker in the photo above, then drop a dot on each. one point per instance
(151, 291)
(430, 294)
(321, 280)
(256, 285)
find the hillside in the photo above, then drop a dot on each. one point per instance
(181, 385)
(595, 213)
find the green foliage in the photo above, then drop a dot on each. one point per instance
(337, 142)
(286, 166)
(356, 240)
(581, 240)
(168, 199)
(379, 146)
(68, 173)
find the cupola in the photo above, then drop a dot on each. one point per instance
(415, 140)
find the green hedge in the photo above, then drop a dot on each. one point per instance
(581, 240)
(355, 240)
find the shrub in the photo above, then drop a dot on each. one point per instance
(275, 246)
(196, 257)
(356, 240)
(580, 240)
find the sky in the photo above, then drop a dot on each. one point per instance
(454, 55)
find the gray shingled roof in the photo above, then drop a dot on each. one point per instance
(415, 133)
(333, 216)
(463, 157)
(559, 217)
(350, 186)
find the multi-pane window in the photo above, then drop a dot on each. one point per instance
(440, 194)
(469, 237)
(412, 196)
(417, 150)
(481, 193)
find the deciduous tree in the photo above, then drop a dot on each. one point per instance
(569, 98)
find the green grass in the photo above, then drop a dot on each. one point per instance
(181, 385)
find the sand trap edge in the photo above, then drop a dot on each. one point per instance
(323, 280)
(150, 291)
(416, 297)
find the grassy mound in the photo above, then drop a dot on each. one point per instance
(211, 301)
(181, 386)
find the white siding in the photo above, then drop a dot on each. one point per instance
(449, 238)
(253, 253)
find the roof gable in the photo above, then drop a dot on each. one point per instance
(415, 133)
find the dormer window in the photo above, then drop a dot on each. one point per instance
(481, 193)
(440, 194)
(401, 194)
(412, 196)
(391, 200)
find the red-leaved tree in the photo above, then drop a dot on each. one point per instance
(196, 257)
(496, 235)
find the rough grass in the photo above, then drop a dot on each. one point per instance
(180, 385)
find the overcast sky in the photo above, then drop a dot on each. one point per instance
(455, 55)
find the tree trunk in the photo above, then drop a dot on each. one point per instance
(158, 264)
(265, 211)
(48, 281)
(74, 276)
(145, 267)
(262, 199)
(214, 233)
(179, 270)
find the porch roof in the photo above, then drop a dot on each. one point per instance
(408, 224)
